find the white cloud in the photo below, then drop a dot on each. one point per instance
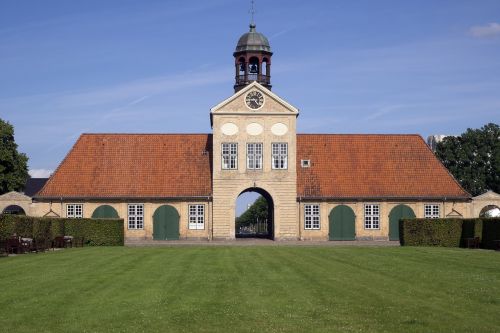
(40, 173)
(489, 30)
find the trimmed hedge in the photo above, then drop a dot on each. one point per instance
(94, 231)
(449, 232)
(430, 232)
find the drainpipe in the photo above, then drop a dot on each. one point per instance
(300, 229)
(211, 224)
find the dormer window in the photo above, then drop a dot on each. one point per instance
(305, 163)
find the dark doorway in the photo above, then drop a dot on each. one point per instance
(254, 214)
(14, 210)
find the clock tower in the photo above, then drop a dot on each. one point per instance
(254, 145)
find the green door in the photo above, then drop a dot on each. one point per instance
(397, 213)
(342, 221)
(166, 223)
(105, 212)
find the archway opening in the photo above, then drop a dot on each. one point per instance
(490, 211)
(14, 210)
(253, 69)
(254, 214)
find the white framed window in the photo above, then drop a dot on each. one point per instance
(305, 163)
(197, 217)
(372, 216)
(229, 156)
(74, 211)
(431, 211)
(311, 217)
(254, 156)
(135, 216)
(280, 155)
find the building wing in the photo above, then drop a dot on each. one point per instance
(133, 166)
(372, 166)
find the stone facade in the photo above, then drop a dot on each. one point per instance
(254, 127)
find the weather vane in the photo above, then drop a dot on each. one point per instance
(252, 10)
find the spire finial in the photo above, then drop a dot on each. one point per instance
(252, 12)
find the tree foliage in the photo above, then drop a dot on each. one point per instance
(13, 165)
(473, 158)
(257, 211)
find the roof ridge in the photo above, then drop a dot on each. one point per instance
(360, 134)
(145, 134)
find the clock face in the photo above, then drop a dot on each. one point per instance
(254, 100)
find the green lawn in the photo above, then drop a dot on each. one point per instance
(251, 289)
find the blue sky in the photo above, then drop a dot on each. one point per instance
(69, 67)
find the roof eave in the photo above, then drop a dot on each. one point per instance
(122, 198)
(383, 198)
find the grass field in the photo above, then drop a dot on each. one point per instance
(251, 289)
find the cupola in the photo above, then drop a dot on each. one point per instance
(252, 59)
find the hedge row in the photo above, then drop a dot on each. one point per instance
(449, 232)
(94, 231)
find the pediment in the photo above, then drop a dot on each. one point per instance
(273, 104)
(14, 196)
(490, 195)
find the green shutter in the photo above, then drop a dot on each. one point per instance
(397, 213)
(342, 223)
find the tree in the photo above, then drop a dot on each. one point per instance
(13, 165)
(257, 211)
(473, 158)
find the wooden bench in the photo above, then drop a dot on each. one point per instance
(472, 243)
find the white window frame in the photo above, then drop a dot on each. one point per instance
(312, 217)
(372, 216)
(135, 216)
(279, 154)
(196, 217)
(229, 156)
(432, 211)
(74, 211)
(254, 155)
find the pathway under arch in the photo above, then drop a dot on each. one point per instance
(257, 226)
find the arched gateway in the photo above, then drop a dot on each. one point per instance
(260, 224)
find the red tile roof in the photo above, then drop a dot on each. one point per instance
(372, 166)
(134, 166)
(179, 165)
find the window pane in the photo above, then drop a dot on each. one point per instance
(311, 217)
